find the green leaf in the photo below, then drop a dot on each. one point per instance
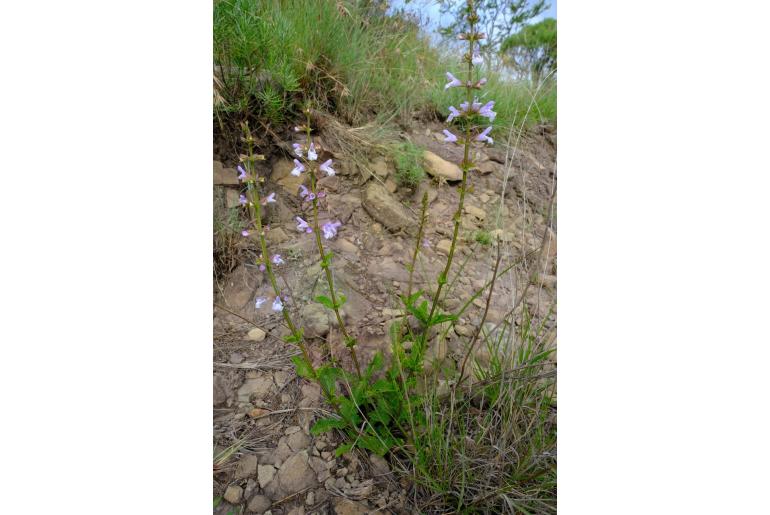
(294, 338)
(375, 365)
(326, 301)
(349, 411)
(328, 376)
(383, 386)
(409, 301)
(327, 424)
(440, 318)
(342, 449)
(303, 367)
(341, 299)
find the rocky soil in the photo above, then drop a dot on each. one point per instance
(265, 460)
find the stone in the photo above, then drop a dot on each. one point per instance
(281, 175)
(256, 334)
(258, 387)
(259, 504)
(297, 510)
(298, 441)
(265, 474)
(232, 198)
(380, 167)
(439, 167)
(233, 494)
(295, 474)
(424, 186)
(315, 319)
(348, 507)
(236, 358)
(390, 185)
(225, 176)
(475, 211)
(246, 467)
(379, 465)
(487, 167)
(345, 246)
(463, 330)
(310, 499)
(444, 246)
(386, 209)
(276, 236)
(282, 452)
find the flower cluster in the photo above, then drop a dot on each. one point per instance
(470, 109)
(277, 303)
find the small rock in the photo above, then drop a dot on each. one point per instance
(276, 236)
(298, 510)
(224, 176)
(321, 445)
(220, 392)
(475, 211)
(379, 465)
(233, 494)
(295, 474)
(247, 467)
(258, 387)
(256, 334)
(342, 471)
(281, 175)
(291, 430)
(251, 485)
(316, 319)
(236, 358)
(487, 167)
(386, 209)
(310, 499)
(444, 246)
(265, 474)
(259, 504)
(438, 167)
(298, 441)
(258, 412)
(347, 507)
(463, 330)
(345, 246)
(391, 185)
(484, 198)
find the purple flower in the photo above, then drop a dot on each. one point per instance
(262, 267)
(330, 229)
(302, 225)
(476, 59)
(453, 113)
(326, 167)
(297, 149)
(298, 168)
(311, 153)
(270, 199)
(453, 81)
(242, 200)
(487, 111)
(302, 191)
(311, 197)
(241, 173)
(450, 138)
(483, 136)
(277, 304)
(426, 243)
(244, 233)
(277, 260)
(481, 82)
(259, 301)
(321, 194)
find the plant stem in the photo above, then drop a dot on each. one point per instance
(349, 341)
(465, 167)
(423, 220)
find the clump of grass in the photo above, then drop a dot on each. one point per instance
(408, 160)
(483, 237)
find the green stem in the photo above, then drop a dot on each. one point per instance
(349, 341)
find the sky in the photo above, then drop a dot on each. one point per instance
(430, 9)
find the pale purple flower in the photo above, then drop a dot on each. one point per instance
(297, 149)
(474, 106)
(259, 301)
(244, 233)
(450, 138)
(242, 200)
(477, 60)
(302, 225)
(481, 82)
(311, 153)
(453, 81)
(302, 191)
(270, 199)
(486, 110)
(453, 113)
(297, 129)
(426, 243)
(262, 267)
(330, 229)
(298, 168)
(277, 260)
(241, 173)
(483, 136)
(326, 167)
(277, 304)
(311, 197)
(321, 194)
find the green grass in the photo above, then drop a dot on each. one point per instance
(354, 62)
(408, 161)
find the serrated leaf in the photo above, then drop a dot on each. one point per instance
(441, 318)
(342, 449)
(375, 365)
(326, 301)
(327, 424)
(303, 367)
(328, 376)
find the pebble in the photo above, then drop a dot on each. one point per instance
(256, 334)
(233, 494)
